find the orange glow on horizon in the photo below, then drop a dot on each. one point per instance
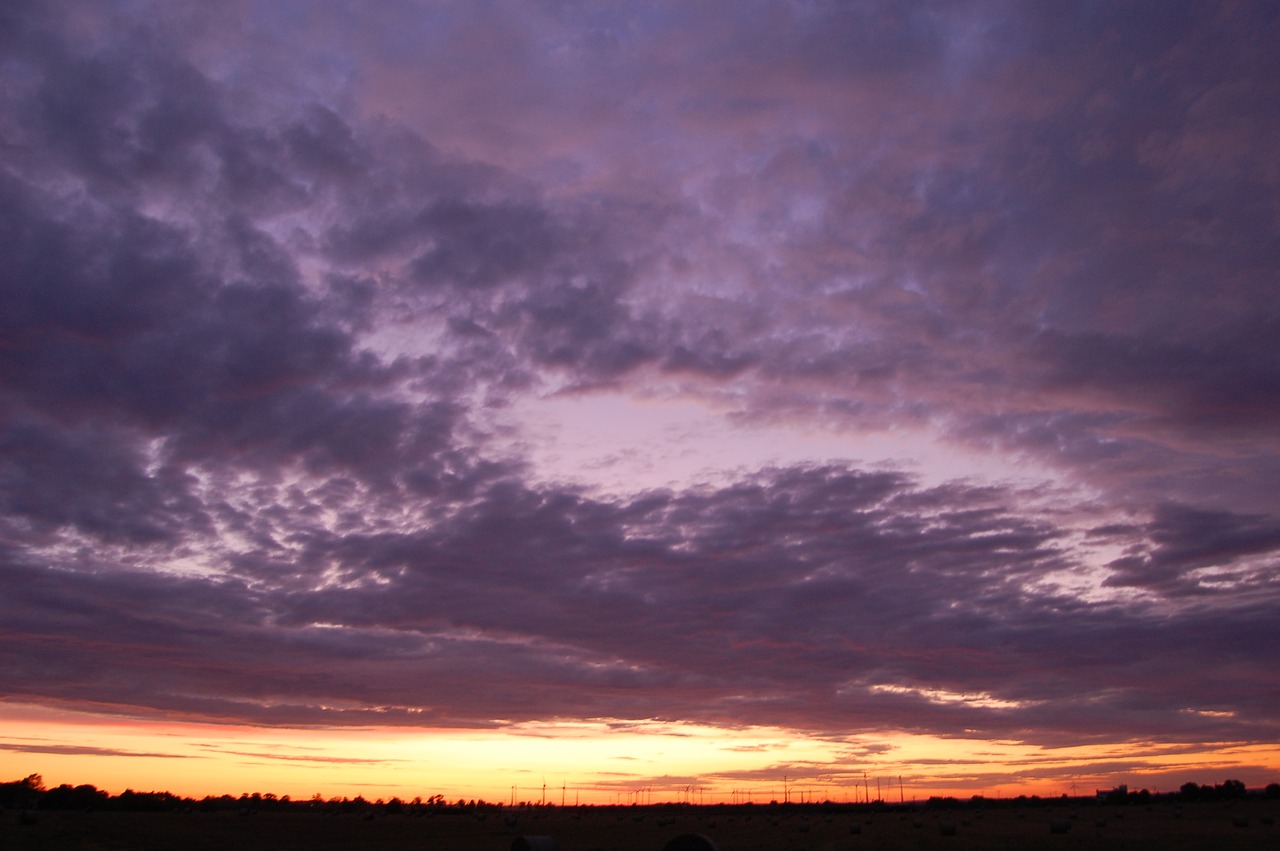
(588, 762)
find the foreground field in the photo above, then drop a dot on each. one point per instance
(1168, 827)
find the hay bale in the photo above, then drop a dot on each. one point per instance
(534, 843)
(691, 842)
(1059, 825)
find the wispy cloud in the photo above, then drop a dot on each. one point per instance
(38, 747)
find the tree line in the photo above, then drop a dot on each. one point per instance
(30, 793)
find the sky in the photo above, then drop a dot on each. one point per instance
(761, 398)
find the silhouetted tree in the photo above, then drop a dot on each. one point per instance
(1232, 789)
(22, 793)
(149, 802)
(65, 797)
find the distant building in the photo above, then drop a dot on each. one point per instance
(1120, 793)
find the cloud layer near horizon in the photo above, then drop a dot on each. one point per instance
(277, 276)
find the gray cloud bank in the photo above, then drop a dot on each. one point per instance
(271, 276)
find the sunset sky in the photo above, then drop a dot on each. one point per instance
(401, 398)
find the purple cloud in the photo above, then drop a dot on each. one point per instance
(275, 286)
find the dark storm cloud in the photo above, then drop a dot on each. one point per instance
(111, 318)
(93, 479)
(262, 306)
(1245, 550)
(1229, 382)
(802, 597)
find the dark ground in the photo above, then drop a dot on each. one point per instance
(1168, 826)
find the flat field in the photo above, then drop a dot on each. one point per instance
(1247, 824)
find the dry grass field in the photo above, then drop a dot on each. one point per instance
(1167, 826)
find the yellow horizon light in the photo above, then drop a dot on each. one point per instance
(593, 761)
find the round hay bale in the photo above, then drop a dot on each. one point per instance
(1059, 825)
(690, 842)
(534, 843)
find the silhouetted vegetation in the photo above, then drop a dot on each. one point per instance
(84, 818)
(1225, 790)
(30, 793)
(21, 794)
